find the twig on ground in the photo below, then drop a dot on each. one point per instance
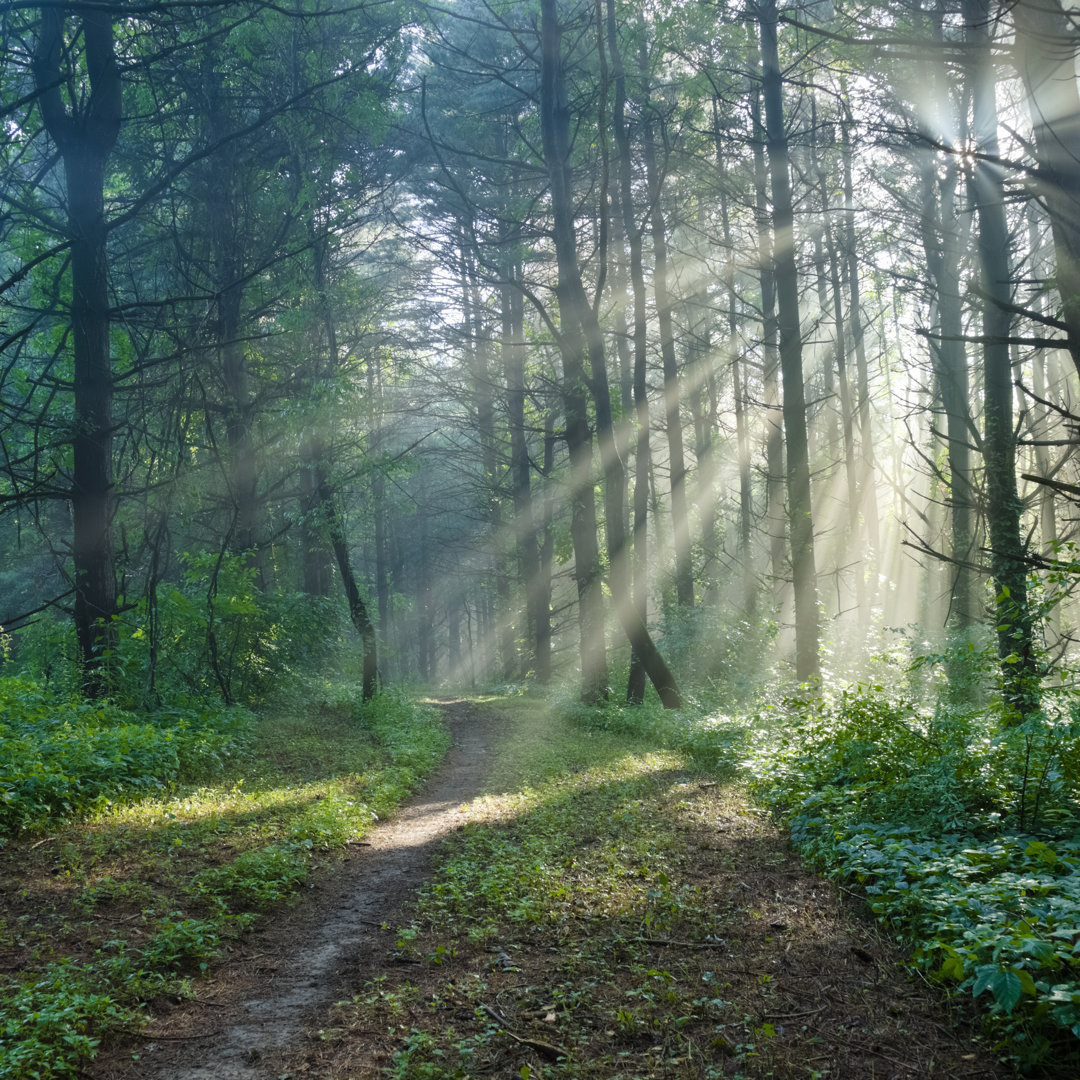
(552, 1053)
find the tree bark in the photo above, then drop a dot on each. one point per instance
(1045, 53)
(1008, 566)
(800, 513)
(770, 362)
(85, 136)
(580, 335)
(358, 612)
(680, 519)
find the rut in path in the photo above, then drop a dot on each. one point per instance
(324, 936)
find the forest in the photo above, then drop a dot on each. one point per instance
(703, 373)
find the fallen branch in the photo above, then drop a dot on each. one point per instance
(552, 1053)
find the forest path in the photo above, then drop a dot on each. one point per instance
(690, 944)
(258, 1002)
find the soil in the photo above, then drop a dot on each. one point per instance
(797, 955)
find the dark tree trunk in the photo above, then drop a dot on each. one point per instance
(800, 513)
(555, 133)
(943, 246)
(770, 361)
(1008, 565)
(547, 558)
(358, 612)
(868, 489)
(639, 585)
(1045, 54)
(85, 137)
(513, 354)
(579, 336)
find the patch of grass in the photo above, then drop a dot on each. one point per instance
(109, 913)
(612, 911)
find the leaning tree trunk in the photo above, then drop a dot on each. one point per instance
(580, 334)
(800, 514)
(85, 136)
(358, 612)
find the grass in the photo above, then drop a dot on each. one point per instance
(612, 910)
(99, 917)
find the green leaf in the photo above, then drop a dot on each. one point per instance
(952, 968)
(1007, 988)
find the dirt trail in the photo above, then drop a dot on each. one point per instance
(259, 1002)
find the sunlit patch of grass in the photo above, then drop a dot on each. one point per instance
(113, 911)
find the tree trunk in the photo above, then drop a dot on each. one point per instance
(639, 585)
(580, 333)
(800, 514)
(942, 247)
(680, 519)
(85, 137)
(1045, 54)
(1016, 646)
(770, 362)
(357, 609)
(513, 356)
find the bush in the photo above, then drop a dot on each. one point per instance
(932, 813)
(62, 757)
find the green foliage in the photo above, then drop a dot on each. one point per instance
(62, 757)
(314, 777)
(214, 635)
(932, 813)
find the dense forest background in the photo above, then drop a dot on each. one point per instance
(745, 334)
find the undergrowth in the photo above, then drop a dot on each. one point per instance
(61, 757)
(964, 835)
(186, 841)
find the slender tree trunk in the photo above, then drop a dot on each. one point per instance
(513, 354)
(316, 551)
(635, 686)
(555, 134)
(580, 334)
(868, 502)
(680, 519)
(770, 361)
(940, 245)
(800, 514)
(85, 136)
(1016, 646)
(547, 557)
(358, 612)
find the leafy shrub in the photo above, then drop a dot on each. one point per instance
(931, 812)
(257, 878)
(63, 757)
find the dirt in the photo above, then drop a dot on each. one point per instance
(796, 956)
(261, 999)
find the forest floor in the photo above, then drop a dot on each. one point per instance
(571, 905)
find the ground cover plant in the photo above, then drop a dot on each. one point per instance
(102, 915)
(962, 832)
(612, 910)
